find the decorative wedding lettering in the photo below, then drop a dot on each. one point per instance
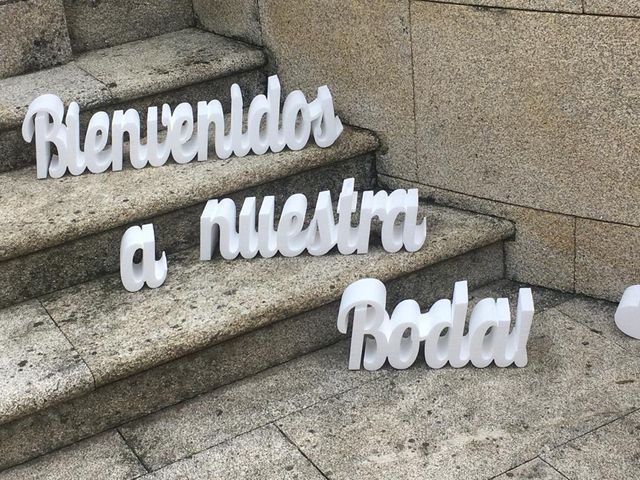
(218, 225)
(150, 271)
(628, 313)
(377, 337)
(185, 139)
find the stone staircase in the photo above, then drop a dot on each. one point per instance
(78, 353)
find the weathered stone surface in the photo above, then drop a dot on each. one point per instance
(598, 315)
(543, 249)
(33, 36)
(168, 384)
(264, 453)
(88, 257)
(65, 209)
(362, 51)
(38, 365)
(529, 123)
(420, 423)
(534, 470)
(607, 7)
(211, 419)
(543, 298)
(169, 61)
(574, 6)
(105, 457)
(69, 82)
(202, 303)
(607, 258)
(609, 452)
(231, 18)
(105, 23)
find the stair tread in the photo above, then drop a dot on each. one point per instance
(36, 214)
(129, 71)
(117, 333)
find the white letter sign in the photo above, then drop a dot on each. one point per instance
(218, 225)
(377, 337)
(628, 313)
(150, 271)
(185, 139)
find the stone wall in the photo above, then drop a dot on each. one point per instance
(39, 34)
(524, 109)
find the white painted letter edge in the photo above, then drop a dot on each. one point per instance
(377, 337)
(628, 313)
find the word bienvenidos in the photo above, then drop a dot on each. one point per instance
(267, 128)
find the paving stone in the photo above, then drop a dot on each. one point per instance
(610, 452)
(607, 258)
(543, 249)
(619, 7)
(528, 123)
(187, 376)
(201, 303)
(69, 82)
(574, 6)
(210, 419)
(262, 454)
(33, 36)
(70, 207)
(168, 61)
(168, 384)
(598, 315)
(231, 18)
(362, 51)
(105, 457)
(535, 469)
(422, 423)
(38, 365)
(105, 23)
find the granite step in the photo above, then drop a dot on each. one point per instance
(94, 356)
(60, 232)
(188, 65)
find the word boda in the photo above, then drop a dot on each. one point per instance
(397, 211)
(267, 129)
(627, 315)
(150, 271)
(378, 337)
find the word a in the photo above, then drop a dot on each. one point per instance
(150, 271)
(185, 140)
(218, 225)
(628, 313)
(398, 338)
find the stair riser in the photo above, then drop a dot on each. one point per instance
(138, 395)
(16, 153)
(89, 257)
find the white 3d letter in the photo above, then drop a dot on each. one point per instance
(628, 313)
(150, 271)
(44, 119)
(367, 299)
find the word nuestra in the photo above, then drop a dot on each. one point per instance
(267, 128)
(378, 337)
(397, 211)
(627, 315)
(150, 271)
